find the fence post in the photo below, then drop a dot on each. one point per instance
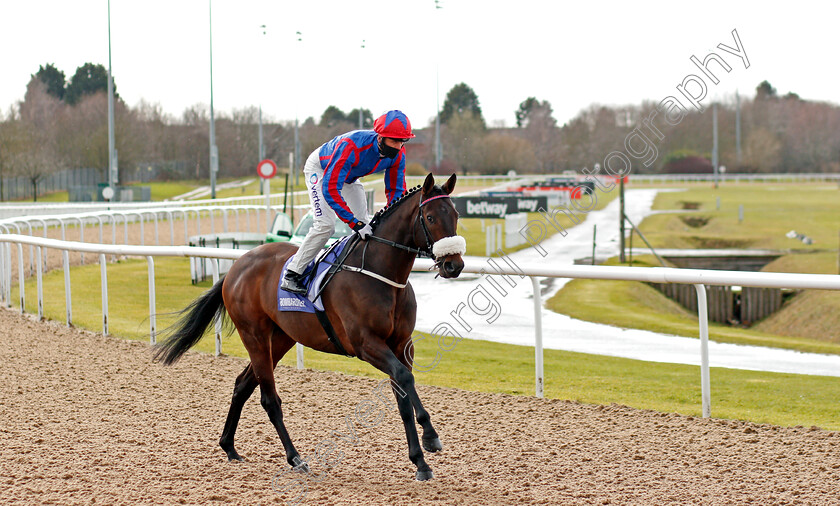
(152, 337)
(3, 262)
(538, 344)
(3, 273)
(703, 317)
(39, 273)
(104, 281)
(21, 284)
(7, 272)
(214, 267)
(67, 301)
(81, 239)
(299, 350)
(142, 216)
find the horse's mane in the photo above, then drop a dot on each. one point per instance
(390, 208)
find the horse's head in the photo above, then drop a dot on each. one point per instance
(439, 221)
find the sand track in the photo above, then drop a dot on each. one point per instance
(86, 419)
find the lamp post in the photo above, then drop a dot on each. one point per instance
(438, 150)
(112, 152)
(261, 146)
(297, 135)
(715, 143)
(361, 119)
(214, 151)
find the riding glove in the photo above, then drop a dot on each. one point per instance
(363, 230)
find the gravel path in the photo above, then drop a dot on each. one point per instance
(88, 419)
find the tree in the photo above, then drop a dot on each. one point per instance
(35, 151)
(333, 116)
(761, 151)
(464, 135)
(460, 100)
(88, 80)
(540, 128)
(533, 109)
(503, 152)
(53, 78)
(764, 91)
(367, 118)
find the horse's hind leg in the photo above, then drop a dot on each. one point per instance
(246, 382)
(263, 363)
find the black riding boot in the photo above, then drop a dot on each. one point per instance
(293, 282)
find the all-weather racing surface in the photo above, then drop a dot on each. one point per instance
(88, 419)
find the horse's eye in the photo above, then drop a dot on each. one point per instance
(430, 218)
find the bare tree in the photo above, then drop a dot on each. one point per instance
(463, 135)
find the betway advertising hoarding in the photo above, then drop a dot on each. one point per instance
(497, 207)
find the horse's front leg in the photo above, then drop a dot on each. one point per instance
(431, 440)
(376, 353)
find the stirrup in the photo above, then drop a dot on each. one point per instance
(293, 282)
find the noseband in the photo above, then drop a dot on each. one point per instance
(445, 245)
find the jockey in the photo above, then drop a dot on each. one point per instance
(331, 173)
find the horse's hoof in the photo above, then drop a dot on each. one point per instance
(303, 467)
(432, 445)
(233, 456)
(424, 475)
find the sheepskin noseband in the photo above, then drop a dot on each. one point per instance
(453, 245)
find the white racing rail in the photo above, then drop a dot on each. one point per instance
(696, 277)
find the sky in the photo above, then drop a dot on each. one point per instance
(570, 54)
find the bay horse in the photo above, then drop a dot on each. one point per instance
(372, 319)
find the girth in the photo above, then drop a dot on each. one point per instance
(323, 319)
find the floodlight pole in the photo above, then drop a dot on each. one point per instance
(214, 150)
(438, 150)
(715, 143)
(361, 119)
(112, 155)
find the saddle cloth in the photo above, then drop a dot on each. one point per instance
(288, 301)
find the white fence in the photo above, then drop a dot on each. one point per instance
(696, 277)
(8, 210)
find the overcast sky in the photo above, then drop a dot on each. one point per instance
(572, 55)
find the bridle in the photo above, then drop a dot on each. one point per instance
(425, 251)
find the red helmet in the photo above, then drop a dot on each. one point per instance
(393, 124)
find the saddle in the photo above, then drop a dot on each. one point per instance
(317, 276)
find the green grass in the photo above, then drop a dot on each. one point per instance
(61, 196)
(770, 211)
(631, 304)
(166, 190)
(809, 322)
(783, 399)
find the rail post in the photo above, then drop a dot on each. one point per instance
(68, 305)
(538, 344)
(40, 276)
(104, 280)
(214, 267)
(152, 323)
(703, 317)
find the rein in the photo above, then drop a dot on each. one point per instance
(426, 251)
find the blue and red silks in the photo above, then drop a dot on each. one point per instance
(350, 156)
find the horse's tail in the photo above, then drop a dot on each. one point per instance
(189, 329)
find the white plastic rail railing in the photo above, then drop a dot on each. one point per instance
(696, 277)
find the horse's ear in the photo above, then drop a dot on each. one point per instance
(449, 185)
(428, 184)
